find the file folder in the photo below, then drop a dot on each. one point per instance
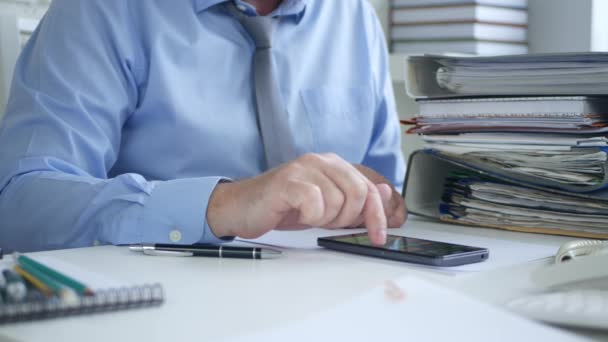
(428, 171)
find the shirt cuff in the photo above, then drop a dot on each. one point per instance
(177, 208)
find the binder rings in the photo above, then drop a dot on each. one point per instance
(428, 171)
(104, 300)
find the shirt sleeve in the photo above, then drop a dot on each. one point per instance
(74, 87)
(384, 154)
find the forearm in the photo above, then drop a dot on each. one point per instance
(50, 210)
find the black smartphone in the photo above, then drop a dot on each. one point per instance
(407, 249)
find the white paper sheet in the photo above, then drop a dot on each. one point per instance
(413, 309)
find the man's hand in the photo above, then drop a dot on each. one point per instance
(394, 208)
(315, 190)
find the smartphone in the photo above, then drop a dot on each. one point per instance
(407, 249)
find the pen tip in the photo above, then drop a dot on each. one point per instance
(136, 248)
(271, 253)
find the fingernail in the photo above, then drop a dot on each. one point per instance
(382, 235)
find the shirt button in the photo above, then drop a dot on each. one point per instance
(175, 236)
(241, 8)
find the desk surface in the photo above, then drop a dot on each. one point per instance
(219, 298)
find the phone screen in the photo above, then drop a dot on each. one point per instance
(409, 245)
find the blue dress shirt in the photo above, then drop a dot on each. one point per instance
(124, 115)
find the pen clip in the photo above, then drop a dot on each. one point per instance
(156, 252)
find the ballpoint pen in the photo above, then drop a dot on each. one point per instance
(207, 251)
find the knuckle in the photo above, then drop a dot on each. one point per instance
(311, 212)
(290, 170)
(359, 189)
(357, 193)
(331, 156)
(373, 190)
(310, 158)
(334, 201)
(312, 192)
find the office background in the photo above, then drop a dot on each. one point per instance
(553, 26)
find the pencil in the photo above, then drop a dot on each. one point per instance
(77, 286)
(34, 281)
(67, 294)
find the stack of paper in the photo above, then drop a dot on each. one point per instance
(550, 114)
(484, 27)
(471, 200)
(563, 159)
(537, 161)
(534, 74)
(550, 74)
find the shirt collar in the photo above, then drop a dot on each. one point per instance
(288, 8)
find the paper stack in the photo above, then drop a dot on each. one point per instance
(480, 27)
(514, 159)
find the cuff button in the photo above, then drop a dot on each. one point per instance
(175, 236)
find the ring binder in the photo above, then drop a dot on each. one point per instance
(122, 298)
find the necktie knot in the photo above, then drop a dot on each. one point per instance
(260, 29)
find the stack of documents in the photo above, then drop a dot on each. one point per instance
(480, 27)
(561, 114)
(577, 160)
(526, 74)
(433, 76)
(468, 199)
(533, 163)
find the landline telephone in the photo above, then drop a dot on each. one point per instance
(576, 287)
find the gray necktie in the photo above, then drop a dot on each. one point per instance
(273, 118)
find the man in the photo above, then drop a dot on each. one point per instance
(143, 121)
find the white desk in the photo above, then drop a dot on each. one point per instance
(209, 298)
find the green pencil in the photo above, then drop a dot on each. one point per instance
(67, 294)
(77, 286)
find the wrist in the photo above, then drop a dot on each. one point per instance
(221, 210)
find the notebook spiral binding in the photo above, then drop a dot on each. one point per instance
(104, 300)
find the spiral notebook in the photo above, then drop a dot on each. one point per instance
(110, 295)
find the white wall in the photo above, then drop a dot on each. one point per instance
(559, 25)
(568, 25)
(10, 11)
(599, 25)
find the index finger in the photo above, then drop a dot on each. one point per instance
(374, 217)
